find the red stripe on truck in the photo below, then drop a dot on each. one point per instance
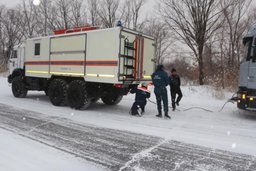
(74, 63)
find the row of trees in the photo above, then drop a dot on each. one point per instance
(27, 20)
(211, 29)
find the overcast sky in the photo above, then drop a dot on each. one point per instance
(150, 5)
(11, 3)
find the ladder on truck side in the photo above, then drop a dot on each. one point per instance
(129, 61)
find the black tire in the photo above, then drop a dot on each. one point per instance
(19, 88)
(58, 92)
(112, 99)
(78, 96)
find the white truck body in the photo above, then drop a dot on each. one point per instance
(95, 55)
(81, 67)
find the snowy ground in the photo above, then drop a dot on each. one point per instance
(19, 153)
(228, 130)
(113, 149)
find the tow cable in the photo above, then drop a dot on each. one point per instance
(232, 100)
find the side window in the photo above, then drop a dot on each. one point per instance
(37, 49)
(14, 54)
(248, 49)
(253, 51)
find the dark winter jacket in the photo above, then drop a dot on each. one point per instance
(141, 94)
(175, 82)
(160, 79)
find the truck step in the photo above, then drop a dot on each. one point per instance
(127, 76)
(129, 66)
(129, 47)
(128, 57)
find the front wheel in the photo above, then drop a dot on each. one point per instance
(19, 88)
(112, 99)
(78, 96)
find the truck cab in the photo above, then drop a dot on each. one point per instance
(247, 76)
(16, 61)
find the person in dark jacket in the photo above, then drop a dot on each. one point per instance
(175, 88)
(142, 94)
(161, 81)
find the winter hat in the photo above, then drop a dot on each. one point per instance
(160, 67)
(173, 70)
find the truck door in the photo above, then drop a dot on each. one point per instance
(136, 57)
(21, 57)
(67, 55)
(147, 63)
(251, 67)
(13, 64)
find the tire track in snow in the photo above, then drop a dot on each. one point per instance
(119, 150)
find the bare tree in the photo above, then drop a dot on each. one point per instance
(63, 8)
(126, 13)
(93, 10)
(131, 13)
(11, 30)
(2, 37)
(77, 15)
(236, 24)
(136, 8)
(164, 40)
(108, 12)
(45, 15)
(194, 21)
(28, 18)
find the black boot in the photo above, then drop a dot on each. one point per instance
(167, 116)
(159, 115)
(173, 106)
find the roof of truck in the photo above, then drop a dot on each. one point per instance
(98, 30)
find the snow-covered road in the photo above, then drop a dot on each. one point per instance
(118, 150)
(229, 130)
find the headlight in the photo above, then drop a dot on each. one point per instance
(243, 96)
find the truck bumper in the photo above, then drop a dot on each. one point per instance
(246, 100)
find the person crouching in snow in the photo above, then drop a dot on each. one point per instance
(142, 94)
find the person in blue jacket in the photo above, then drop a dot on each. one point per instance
(161, 81)
(142, 94)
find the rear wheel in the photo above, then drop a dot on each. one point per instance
(78, 96)
(112, 99)
(19, 88)
(58, 92)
